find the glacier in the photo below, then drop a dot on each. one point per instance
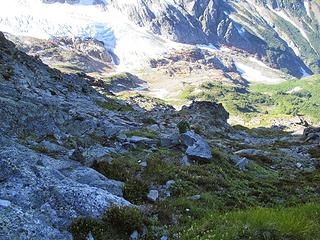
(133, 45)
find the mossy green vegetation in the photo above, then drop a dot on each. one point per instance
(8, 73)
(265, 102)
(160, 168)
(126, 219)
(294, 97)
(116, 223)
(118, 76)
(260, 203)
(295, 223)
(237, 100)
(315, 152)
(183, 126)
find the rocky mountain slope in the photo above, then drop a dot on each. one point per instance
(283, 34)
(88, 152)
(42, 111)
(77, 161)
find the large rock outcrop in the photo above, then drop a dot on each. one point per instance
(45, 195)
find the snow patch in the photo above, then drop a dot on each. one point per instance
(210, 47)
(304, 72)
(307, 7)
(254, 75)
(225, 49)
(197, 90)
(262, 64)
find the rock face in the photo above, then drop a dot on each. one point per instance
(208, 108)
(164, 18)
(54, 126)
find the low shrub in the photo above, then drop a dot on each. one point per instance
(183, 126)
(136, 191)
(125, 219)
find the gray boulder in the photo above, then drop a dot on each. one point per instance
(312, 134)
(90, 177)
(197, 147)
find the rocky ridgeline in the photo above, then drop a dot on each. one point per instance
(70, 55)
(53, 126)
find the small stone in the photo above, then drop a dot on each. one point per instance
(143, 164)
(153, 195)
(196, 197)
(90, 237)
(299, 165)
(134, 236)
(242, 164)
(169, 184)
(164, 238)
(5, 203)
